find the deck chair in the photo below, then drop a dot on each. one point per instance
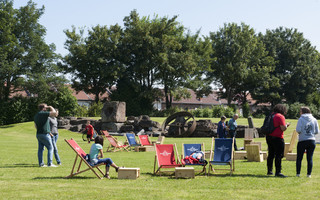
(105, 133)
(289, 147)
(160, 140)
(188, 149)
(114, 145)
(166, 158)
(81, 154)
(144, 140)
(223, 154)
(132, 140)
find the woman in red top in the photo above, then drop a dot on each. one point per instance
(275, 140)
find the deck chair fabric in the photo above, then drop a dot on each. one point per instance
(223, 154)
(105, 133)
(144, 140)
(114, 145)
(131, 138)
(166, 157)
(81, 154)
(188, 149)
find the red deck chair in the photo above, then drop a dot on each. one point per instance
(144, 140)
(105, 133)
(81, 154)
(166, 158)
(114, 145)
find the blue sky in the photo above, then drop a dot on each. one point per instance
(207, 15)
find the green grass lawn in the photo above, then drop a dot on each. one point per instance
(21, 178)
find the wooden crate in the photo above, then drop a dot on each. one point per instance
(253, 153)
(286, 148)
(128, 173)
(291, 156)
(144, 148)
(184, 172)
(246, 142)
(240, 155)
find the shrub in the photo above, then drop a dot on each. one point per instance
(207, 112)
(246, 110)
(294, 110)
(95, 109)
(218, 111)
(229, 112)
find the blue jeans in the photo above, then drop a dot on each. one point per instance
(107, 161)
(308, 146)
(44, 140)
(55, 149)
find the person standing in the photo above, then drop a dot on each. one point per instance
(42, 125)
(89, 129)
(221, 130)
(275, 140)
(54, 135)
(307, 128)
(232, 126)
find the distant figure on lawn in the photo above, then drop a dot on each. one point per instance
(54, 135)
(42, 125)
(232, 126)
(89, 129)
(275, 140)
(95, 158)
(221, 130)
(307, 128)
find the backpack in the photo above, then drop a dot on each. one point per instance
(267, 128)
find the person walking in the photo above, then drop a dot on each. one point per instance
(232, 126)
(55, 135)
(307, 128)
(275, 140)
(42, 125)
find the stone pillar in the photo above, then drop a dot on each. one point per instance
(113, 116)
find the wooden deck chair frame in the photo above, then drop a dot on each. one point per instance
(160, 140)
(293, 140)
(114, 145)
(178, 163)
(150, 143)
(104, 132)
(132, 146)
(204, 170)
(231, 163)
(82, 160)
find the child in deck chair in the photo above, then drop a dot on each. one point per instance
(95, 158)
(195, 158)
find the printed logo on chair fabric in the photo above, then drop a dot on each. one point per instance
(165, 153)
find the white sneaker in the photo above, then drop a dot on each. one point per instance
(43, 166)
(298, 175)
(52, 165)
(308, 176)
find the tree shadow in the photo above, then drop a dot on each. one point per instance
(6, 126)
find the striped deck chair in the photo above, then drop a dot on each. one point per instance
(131, 138)
(105, 133)
(166, 158)
(115, 145)
(223, 154)
(188, 149)
(81, 154)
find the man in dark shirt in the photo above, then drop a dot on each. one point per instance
(42, 125)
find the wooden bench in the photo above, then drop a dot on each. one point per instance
(144, 148)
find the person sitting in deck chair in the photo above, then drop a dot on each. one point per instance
(195, 158)
(95, 158)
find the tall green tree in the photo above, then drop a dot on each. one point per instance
(241, 61)
(297, 64)
(23, 51)
(93, 59)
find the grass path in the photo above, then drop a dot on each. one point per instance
(21, 178)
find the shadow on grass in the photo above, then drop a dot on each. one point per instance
(6, 126)
(19, 165)
(62, 177)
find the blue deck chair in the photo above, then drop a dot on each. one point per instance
(223, 154)
(188, 149)
(132, 140)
